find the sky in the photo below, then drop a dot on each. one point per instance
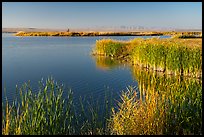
(60, 15)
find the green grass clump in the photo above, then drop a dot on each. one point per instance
(108, 47)
(51, 111)
(45, 112)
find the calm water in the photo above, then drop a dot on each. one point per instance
(67, 60)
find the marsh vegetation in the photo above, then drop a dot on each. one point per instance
(172, 56)
(160, 105)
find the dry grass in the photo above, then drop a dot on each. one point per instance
(162, 105)
(136, 117)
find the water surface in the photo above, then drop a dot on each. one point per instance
(67, 60)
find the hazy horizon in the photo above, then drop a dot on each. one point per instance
(114, 15)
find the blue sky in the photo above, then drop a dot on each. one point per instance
(92, 14)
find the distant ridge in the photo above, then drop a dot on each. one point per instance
(101, 29)
(14, 30)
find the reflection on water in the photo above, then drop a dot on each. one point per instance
(158, 81)
(106, 63)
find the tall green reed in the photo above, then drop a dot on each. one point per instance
(172, 56)
(45, 112)
(51, 111)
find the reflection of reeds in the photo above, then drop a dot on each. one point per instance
(167, 105)
(105, 63)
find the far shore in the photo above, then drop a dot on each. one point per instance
(64, 33)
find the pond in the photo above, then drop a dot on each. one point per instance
(67, 60)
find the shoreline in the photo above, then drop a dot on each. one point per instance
(68, 34)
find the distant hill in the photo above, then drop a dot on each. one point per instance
(14, 30)
(100, 29)
(194, 30)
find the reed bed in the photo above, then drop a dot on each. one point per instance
(109, 47)
(172, 56)
(160, 106)
(173, 33)
(49, 112)
(186, 36)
